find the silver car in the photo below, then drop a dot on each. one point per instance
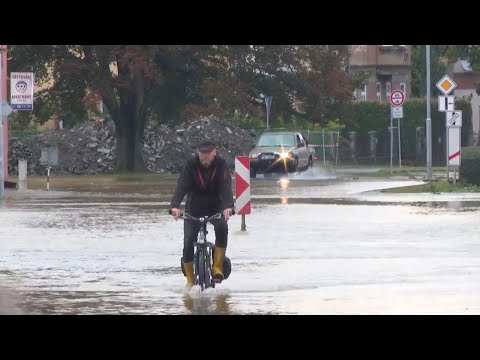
(280, 152)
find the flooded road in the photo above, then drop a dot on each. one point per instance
(312, 246)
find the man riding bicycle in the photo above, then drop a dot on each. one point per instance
(206, 181)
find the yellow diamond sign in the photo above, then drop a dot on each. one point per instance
(446, 85)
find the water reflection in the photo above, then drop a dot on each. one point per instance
(207, 304)
(284, 184)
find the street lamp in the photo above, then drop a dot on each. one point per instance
(429, 120)
(268, 104)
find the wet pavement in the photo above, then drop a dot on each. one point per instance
(313, 245)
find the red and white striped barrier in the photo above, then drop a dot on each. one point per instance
(454, 146)
(242, 185)
(243, 203)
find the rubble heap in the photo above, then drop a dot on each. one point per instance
(91, 148)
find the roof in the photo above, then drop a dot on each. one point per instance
(466, 65)
(462, 66)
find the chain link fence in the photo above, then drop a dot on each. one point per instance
(373, 147)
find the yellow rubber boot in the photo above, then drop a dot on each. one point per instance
(188, 267)
(218, 257)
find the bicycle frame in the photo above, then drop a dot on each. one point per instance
(203, 252)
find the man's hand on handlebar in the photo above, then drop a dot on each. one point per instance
(176, 213)
(227, 213)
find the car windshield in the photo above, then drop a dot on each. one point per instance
(286, 140)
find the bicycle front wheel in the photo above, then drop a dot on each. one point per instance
(208, 270)
(201, 269)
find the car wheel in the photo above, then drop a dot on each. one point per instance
(310, 162)
(253, 173)
(294, 167)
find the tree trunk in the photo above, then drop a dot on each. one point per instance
(130, 128)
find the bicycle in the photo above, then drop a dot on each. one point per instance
(203, 255)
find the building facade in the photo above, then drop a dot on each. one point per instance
(467, 82)
(389, 68)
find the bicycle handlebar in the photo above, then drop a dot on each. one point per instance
(186, 216)
(202, 219)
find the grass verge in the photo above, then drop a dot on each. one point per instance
(435, 187)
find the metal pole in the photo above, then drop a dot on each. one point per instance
(48, 178)
(455, 175)
(268, 105)
(268, 119)
(2, 181)
(399, 147)
(323, 142)
(22, 175)
(447, 137)
(428, 126)
(391, 140)
(336, 150)
(244, 226)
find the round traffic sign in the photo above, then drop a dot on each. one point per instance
(397, 98)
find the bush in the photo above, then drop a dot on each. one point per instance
(259, 122)
(248, 122)
(21, 134)
(470, 165)
(365, 116)
(19, 120)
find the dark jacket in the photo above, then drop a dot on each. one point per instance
(208, 190)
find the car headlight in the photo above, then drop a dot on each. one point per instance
(286, 155)
(253, 156)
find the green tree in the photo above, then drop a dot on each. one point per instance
(324, 83)
(438, 67)
(171, 82)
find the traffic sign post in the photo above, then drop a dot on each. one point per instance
(49, 158)
(446, 103)
(454, 146)
(446, 85)
(454, 140)
(397, 112)
(5, 110)
(453, 118)
(391, 139)
(397, 98)
(453, 124)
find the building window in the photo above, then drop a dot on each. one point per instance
(403, 88)
(388, 89)
(379, 91)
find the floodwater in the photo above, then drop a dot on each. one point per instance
(313, 245)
